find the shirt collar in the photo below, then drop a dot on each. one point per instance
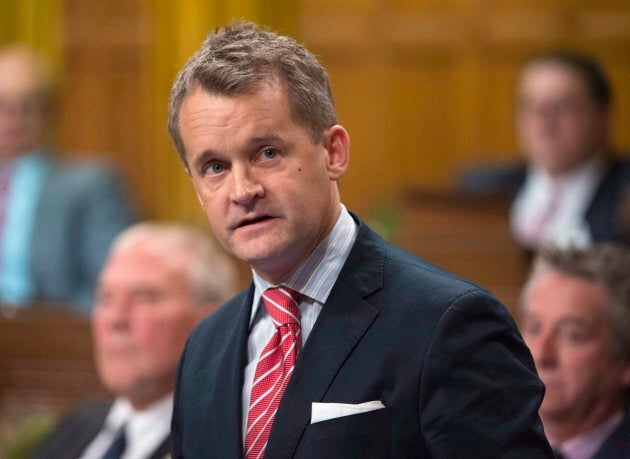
(586, 444)
(138, 422)
(591, 171)
(315, 277)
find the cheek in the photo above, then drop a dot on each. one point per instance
(161, 337)
(149, 334)
(100, 333)
(585, 364)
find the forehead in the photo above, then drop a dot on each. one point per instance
(144, 262)
(259, 97)
(554, 295)
(20, 74)
(551, 78)
(216, 121)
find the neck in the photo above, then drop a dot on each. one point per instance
(597, 152)
(141, 402)
(560, 430)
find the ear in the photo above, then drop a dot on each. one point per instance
(337, 144)
(606, 123)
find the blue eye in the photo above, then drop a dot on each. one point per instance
(269, 153)
(216, 168)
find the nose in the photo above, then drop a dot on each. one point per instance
(245, 187)
(115, 312)
(543, 348)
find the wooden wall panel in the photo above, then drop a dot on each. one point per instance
(423, 86)
(102, 88)
(441, 77)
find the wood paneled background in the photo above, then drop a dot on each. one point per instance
(423, 86)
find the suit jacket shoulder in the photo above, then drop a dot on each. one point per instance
(617, 445)
(492, 179)
(82, 207)
(74, 432)
(606, 213)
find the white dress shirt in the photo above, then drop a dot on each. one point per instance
(573, 193)
(145, 430)
(314, 279)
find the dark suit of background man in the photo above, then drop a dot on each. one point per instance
(576, 321)
(57, 217)
(573, 190)
(159, 281)
(424, 363)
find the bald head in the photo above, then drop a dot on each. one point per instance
(25, 90)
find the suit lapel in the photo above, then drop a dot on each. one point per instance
(344, 320)
(80, 433)
(228, 381)
(617, 442)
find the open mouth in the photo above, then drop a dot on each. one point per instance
(253, 221)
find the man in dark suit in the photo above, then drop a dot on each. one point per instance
(57, 217)
(576, 321)
(344, 346)
(573, 189)
(159, 281)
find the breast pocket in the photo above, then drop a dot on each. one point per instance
(364, 435)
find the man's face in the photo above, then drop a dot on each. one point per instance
(22, 118)
(566, 327)
(270, 194)
(559, 125)
(142, 317)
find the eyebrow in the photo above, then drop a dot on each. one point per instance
(570, 320)
(567, 320)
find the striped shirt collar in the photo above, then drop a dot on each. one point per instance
(315, 277)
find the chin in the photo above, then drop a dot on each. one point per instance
(258, 253)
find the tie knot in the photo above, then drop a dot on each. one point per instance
(282, 305)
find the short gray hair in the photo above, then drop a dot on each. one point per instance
(236, 59)
(605, 264)
(212, 274)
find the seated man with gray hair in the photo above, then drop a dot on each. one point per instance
(159, 281)
(576, 322)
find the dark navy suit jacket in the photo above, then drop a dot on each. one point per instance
(617, 445)
(604, 215)
(77, 430)
(442, 354)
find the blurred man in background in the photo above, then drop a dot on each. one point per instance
(576, 321)
(159, 281)
(572, 189)
(57, 219)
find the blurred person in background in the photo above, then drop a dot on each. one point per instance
(57, 217)
(159, 281)
(572, 188)
(576, 322)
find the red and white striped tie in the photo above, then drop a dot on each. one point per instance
(274, 368)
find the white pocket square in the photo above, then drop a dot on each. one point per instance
(325, 411)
